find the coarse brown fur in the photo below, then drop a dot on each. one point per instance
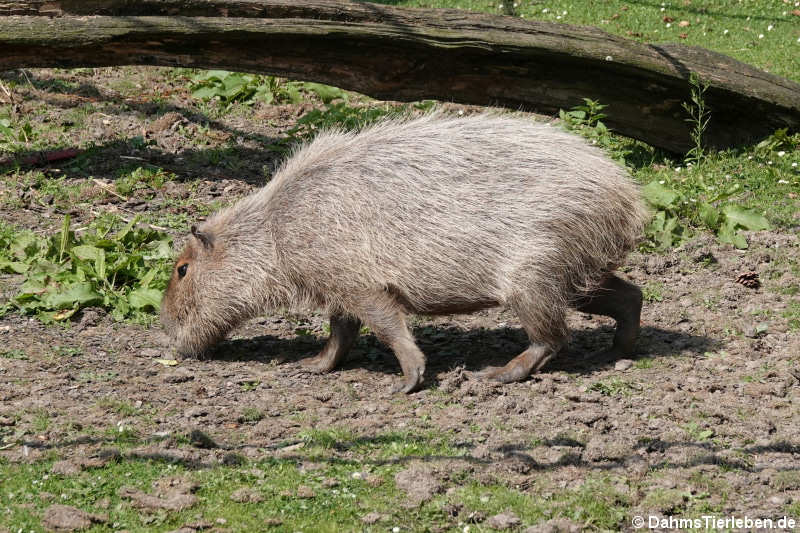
(431, 215)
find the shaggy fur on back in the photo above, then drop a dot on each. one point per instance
(445, 214)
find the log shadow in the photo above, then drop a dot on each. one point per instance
(565, 453)
(697, 11)
(110, 158)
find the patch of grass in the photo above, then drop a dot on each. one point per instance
(121, 407)
(613, 387)
(67, 351)
(141, 178)
(96, 377)
(390, 445)
(41, 420)
(596, 504)
(786, 480)
(792, 315)
(326, 438)
(337, 506)
(670, 501)
(644, 363)
(248, 386)
(19, 355)
(251, 415)
(44, 191)
(788, 290)
(653, 291)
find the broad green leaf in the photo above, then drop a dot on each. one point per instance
(158, 250)
(147, 278)
(211, 74)
(26, 246)
(100, 264)
(264, 94)
(326, 93)
(728, 233)
(13, 266)
(726, 194)
(746, 218)
(667, 237)
(710, 216)
(87, 253)
(5, 128)
(80, 293)
(126, 230)
(106, 244)
(659, 196)
(142, 298)
(205, 93)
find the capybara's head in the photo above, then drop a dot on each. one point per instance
(193, 308)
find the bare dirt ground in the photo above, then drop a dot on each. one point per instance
(707, 411)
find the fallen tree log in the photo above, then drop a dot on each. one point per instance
(405, 54)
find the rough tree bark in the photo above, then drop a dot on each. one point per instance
(405, 54)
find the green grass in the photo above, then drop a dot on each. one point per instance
(344, 490)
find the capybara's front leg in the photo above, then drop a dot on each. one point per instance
(344, 332)
(546, 329)
(387, 319)
(522, 366)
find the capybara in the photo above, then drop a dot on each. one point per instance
(431, 215)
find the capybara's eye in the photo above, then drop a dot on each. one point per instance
(182, 269)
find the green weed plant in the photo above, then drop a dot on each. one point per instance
(121, 267)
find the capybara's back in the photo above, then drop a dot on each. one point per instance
(439, 215)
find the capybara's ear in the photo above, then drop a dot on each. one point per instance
(206, 238)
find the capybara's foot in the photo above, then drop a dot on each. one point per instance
(344, 332)
(519, 368)
(408, 383)
(622, 301)
(319, 364)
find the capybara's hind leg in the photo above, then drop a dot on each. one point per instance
(387, 319)
(546, 330)
(622, 301)
(344, 332)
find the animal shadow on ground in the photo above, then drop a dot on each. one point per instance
(448, 347)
